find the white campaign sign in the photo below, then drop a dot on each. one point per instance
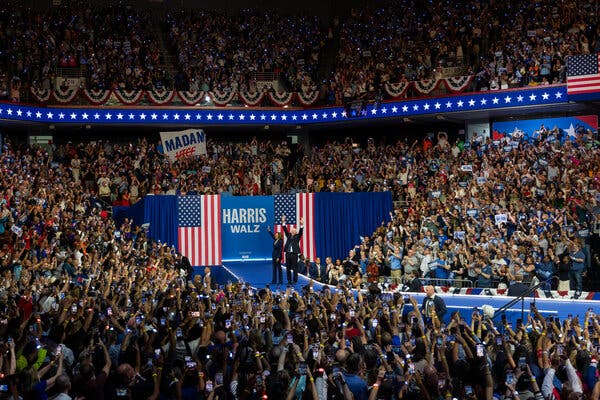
(183, 144)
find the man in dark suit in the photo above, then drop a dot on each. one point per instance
(276, 256)
(318, 271)
(433, 303)
(518, 288)
(292, 249)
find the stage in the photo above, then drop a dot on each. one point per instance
(258, 274)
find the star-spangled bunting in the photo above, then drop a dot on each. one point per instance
(530, 96)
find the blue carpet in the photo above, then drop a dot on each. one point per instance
(259, 274)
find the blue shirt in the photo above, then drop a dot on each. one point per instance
(357, 386)
(483, 281)
(395, 262)
(578, 266)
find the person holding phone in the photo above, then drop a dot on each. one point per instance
(35, 387)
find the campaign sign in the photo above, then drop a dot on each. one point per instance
(244, 222)
(500, 218)
(183, 144)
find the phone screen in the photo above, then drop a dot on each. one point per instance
(510, 378)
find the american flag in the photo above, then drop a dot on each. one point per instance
(294, 207)
(583, 74)
(199, 229)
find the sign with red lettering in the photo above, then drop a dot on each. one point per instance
(183, 144)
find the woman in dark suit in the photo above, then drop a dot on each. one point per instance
(277, 251)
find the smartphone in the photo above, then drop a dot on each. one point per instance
(498, 340)
(411, 368)
(74, 308)
(59, 350)
(302, 369)
(290, 338)
(352, 313)
(519, 322)
(480, 350)
(156, 353)
(560, 350)
(208, 386)
(195, 314)
(3, 388)
(510, 378)
(178, 333)
(109, 311)
(468, 390)
(441, 383)
(522, 362)
(374, 322)
(439, 341)
(219, 378)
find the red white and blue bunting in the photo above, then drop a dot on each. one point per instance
(426, 86)
(308, 98)
(161, 97)
(116, 114)
(458, 84)
(251, 99)
(65, 96)
(281, 99)
(191, 98)
(129, 97)
(396, 90)
(97, 97)
(221, 98)
(41, 95)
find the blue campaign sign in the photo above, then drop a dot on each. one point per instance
(244, 222)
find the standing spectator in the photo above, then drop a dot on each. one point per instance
(517, 288)
(432, 303)
(577, 270)
(564, 270)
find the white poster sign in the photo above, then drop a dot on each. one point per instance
(183, 144)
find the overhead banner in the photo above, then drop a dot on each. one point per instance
(183, 144)
(244, 222)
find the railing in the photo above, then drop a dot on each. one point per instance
(265, 76)
(71, 72)
(522, 297)
(460, 283)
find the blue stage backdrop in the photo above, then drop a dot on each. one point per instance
(234, 228)
(244, 222)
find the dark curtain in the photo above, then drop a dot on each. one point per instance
(135, 213)
(161, 213)
(342, 218)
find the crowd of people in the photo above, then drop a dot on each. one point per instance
(486, 213)
(219, 52)
(112, 47)
(502, 44)
(96, 310)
